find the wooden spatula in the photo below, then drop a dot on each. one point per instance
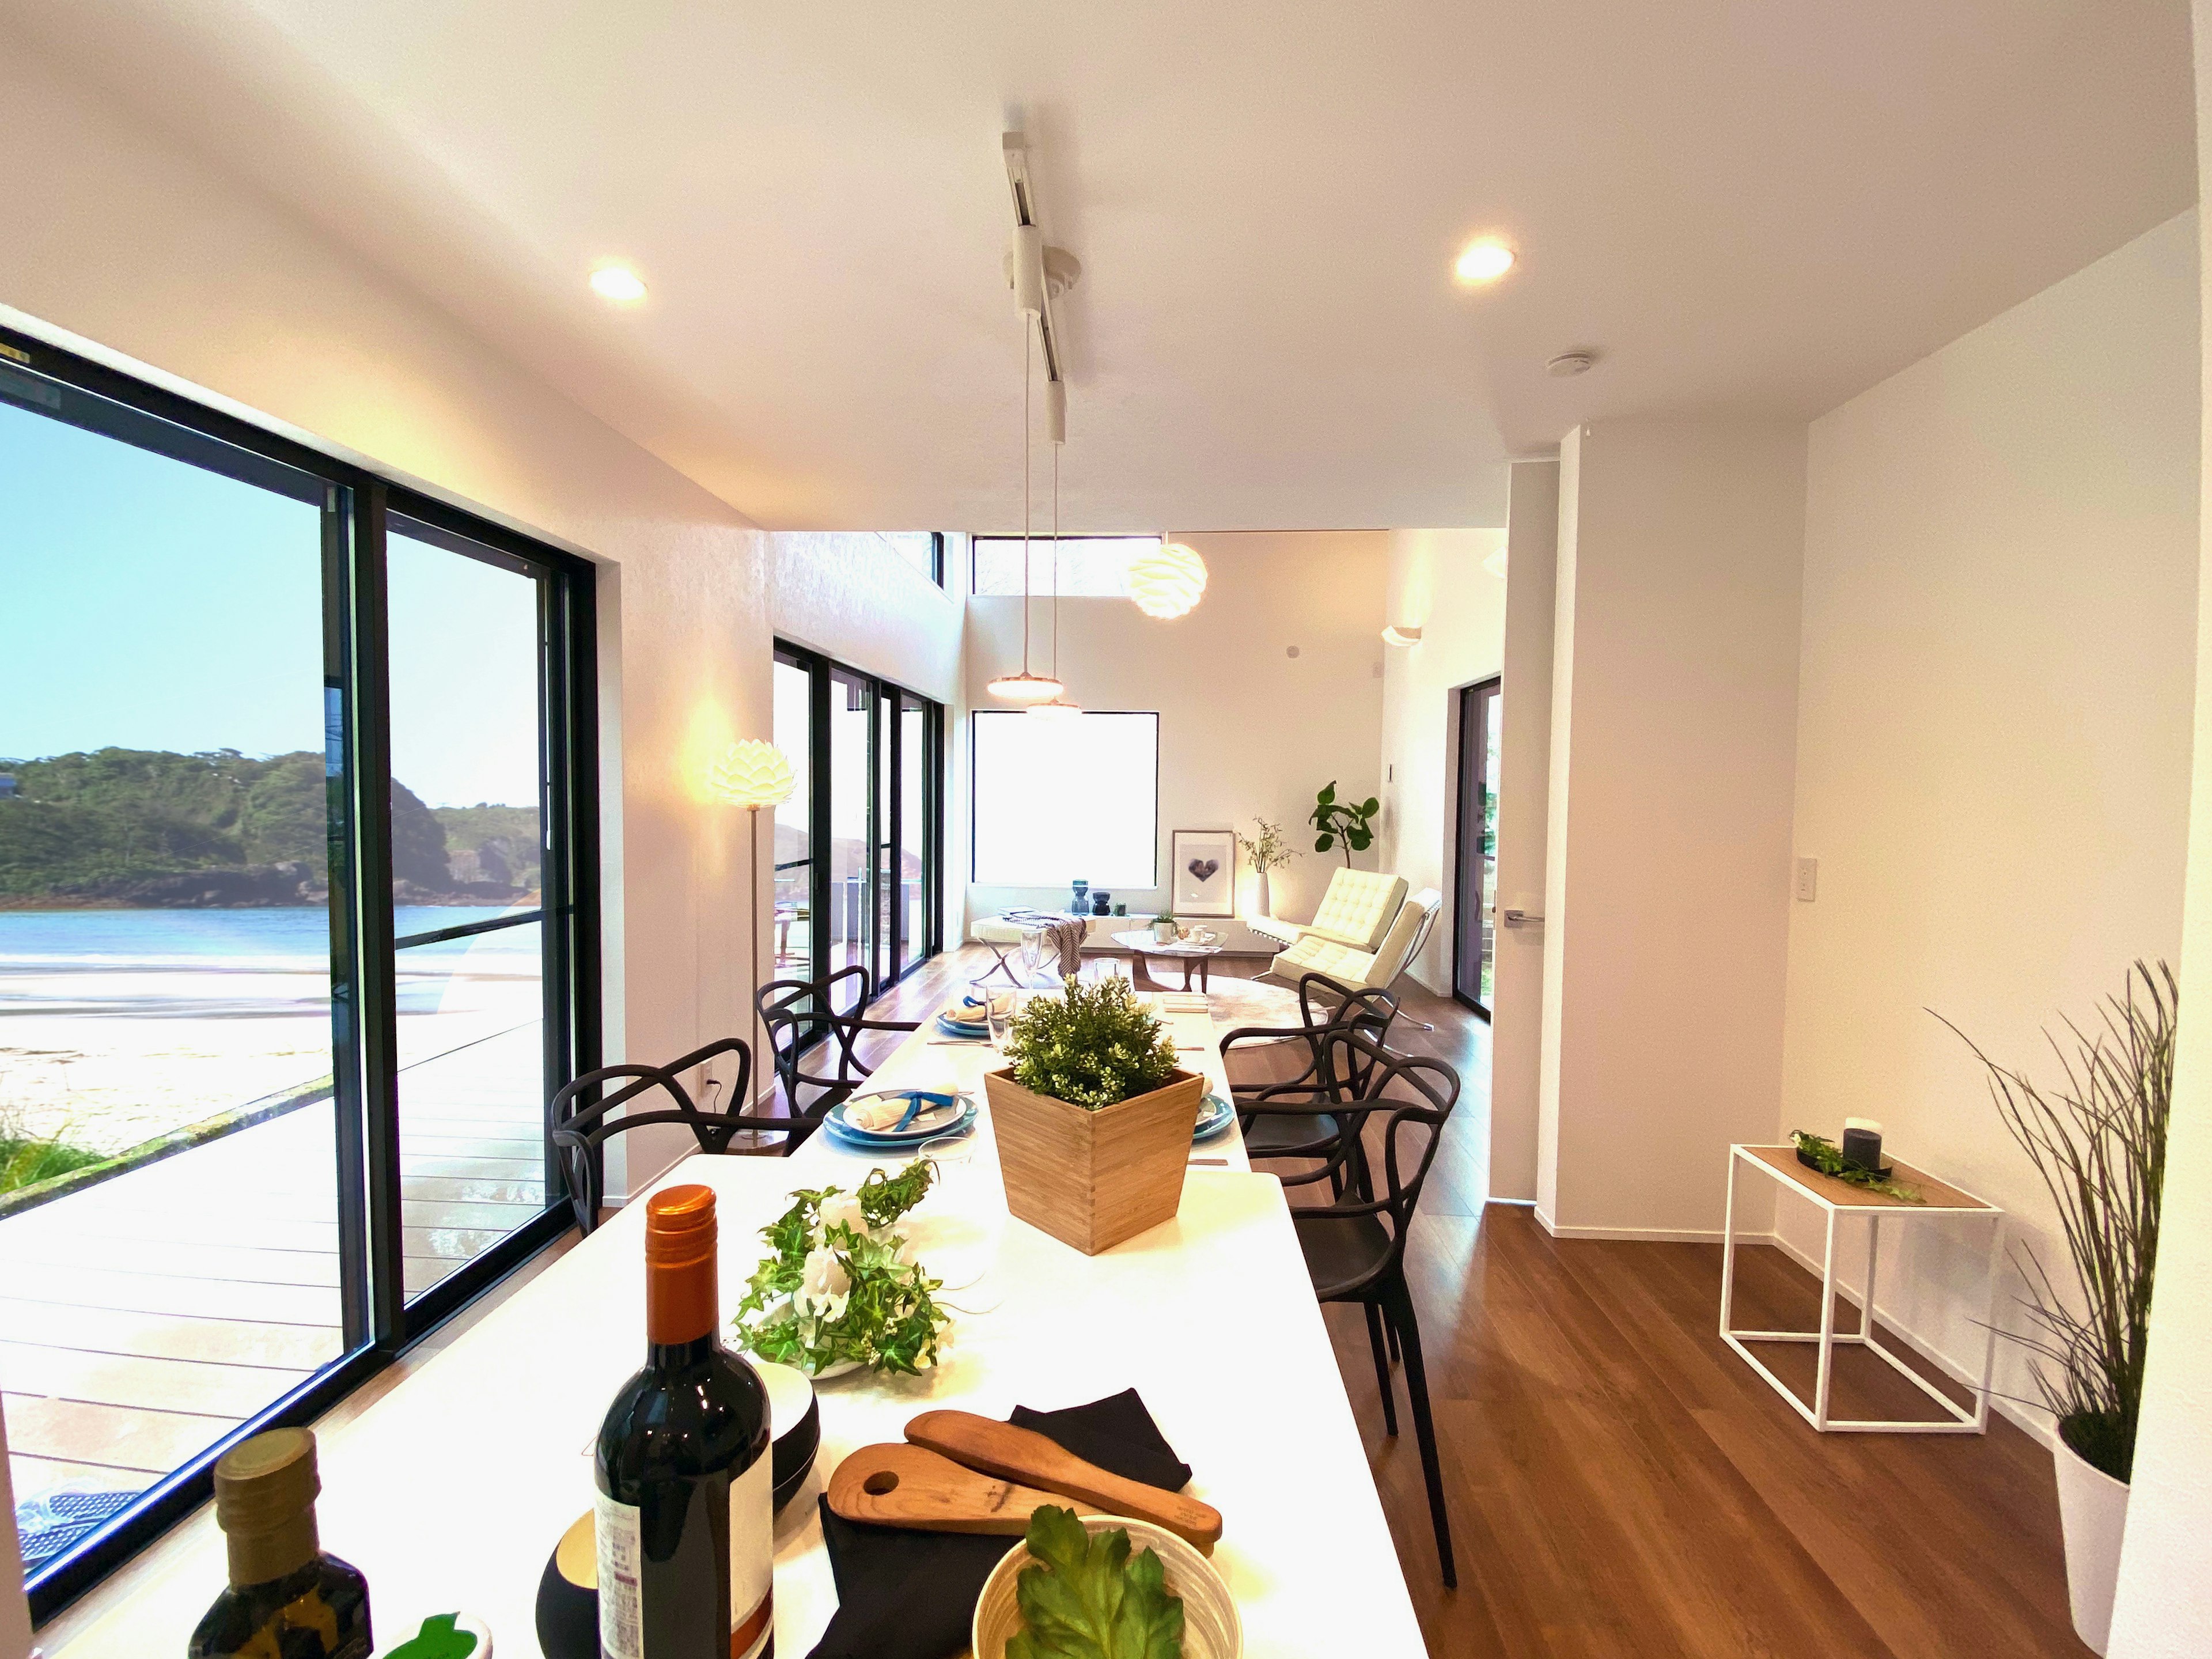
(1023, 1454)
(905, 1486)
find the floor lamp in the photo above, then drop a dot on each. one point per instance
(754, 774)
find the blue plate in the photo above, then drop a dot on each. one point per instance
(876, 1140)
(1215, 1116)
(952, 1027)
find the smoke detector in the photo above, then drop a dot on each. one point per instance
(1568, 363)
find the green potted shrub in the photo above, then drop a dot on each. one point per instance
(2098, 1142)
(1092, 1116)
(1164, 931)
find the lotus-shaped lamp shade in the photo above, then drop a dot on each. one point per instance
(1169, 583)
(753, 773)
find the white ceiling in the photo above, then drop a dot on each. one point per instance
(1754, 207)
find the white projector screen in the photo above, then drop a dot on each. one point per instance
(1059, 800)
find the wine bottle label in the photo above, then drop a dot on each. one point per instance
(752, 1559)
(621, 1620)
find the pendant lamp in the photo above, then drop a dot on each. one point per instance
(1060, 708)
(1168, 583)
(1025, 686)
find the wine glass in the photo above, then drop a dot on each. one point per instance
(1032, 954)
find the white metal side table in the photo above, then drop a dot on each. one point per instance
(1838, 1199)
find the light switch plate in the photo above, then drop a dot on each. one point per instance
(1808, 880)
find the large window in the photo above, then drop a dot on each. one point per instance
(293, 796)
(1091, 566)
(859, 845)
(1076, 797)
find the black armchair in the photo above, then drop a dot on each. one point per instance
(579, 1122)
(1289, 1118)
(799, 1015)
(1355, 1246)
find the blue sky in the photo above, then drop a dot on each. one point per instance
(148, 605)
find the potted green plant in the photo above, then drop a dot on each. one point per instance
(2098, 1141)
(1092, 1116)
(1348, 823)
(1265, 850)
(1164, 931)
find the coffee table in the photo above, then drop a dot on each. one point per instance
(1144, 947)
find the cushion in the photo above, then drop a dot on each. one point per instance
(1315, 955)
(997, 930)
(1398, 943)
(1359, 906)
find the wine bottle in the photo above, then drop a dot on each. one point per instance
(287, 1598)
(685, 1516)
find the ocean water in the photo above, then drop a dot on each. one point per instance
(285, 940)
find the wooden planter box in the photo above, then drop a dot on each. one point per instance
(1092, 1179)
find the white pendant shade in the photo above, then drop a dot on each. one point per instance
(753, 773)
(1058, 709)
(1169, 583)
(1025, 688)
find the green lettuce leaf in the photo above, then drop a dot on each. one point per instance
(1085, 1599)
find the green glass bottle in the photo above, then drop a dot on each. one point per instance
(287, 1598)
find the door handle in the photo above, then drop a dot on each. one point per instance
(1517, 918)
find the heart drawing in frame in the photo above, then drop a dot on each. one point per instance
(1204, 869)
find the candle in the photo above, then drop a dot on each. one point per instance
(1862, 1142)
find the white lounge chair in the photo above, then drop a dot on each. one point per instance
(1362, 936)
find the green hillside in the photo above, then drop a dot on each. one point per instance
(133, 826)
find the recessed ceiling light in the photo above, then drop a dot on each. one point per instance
(618, 282)
(1568, 363)
(1484, 260)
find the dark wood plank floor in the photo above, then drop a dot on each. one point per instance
(1621, 1484)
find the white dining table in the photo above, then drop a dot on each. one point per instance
(451, 1492)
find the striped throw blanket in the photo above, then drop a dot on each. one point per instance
(1067, 932)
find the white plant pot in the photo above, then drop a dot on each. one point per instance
(1267, 906)
(2092, 1511)
(1163, 932)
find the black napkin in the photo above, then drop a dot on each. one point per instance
(908, 1595)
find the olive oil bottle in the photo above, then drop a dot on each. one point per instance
(287, 1598)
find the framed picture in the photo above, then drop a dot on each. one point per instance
(1205, 870)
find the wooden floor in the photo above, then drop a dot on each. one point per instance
(145, 1317)
(1621, 1484)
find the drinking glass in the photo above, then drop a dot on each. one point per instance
(1001, 1019)
(1032, 957)
(956, 1233)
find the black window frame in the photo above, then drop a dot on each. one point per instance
(1471, 724)
(885, 969)
(379, 1323)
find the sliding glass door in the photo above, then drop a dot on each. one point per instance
(294, 937)
(1475, 895)
(859, 846)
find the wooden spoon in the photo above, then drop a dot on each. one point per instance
(1023, 1454)
(901, 1485)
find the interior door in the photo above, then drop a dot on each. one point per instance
(1474, 926)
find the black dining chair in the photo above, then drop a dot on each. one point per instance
(580, 1120)
(1355, 1246)
(799, 1016)
(1326, 1006)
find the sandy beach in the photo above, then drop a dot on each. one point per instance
(105, 1051)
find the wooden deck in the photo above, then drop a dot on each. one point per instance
(145, 1317)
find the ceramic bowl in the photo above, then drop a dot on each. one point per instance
(1210, 1626)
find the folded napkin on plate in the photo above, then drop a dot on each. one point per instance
(908, 1594)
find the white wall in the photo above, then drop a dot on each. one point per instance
(1517, 1024)
(1246, 729)
(1436, 583)
(1674, 682)
(2164, 1607)
(1993, 736)
(851, 596)
(118, 235)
